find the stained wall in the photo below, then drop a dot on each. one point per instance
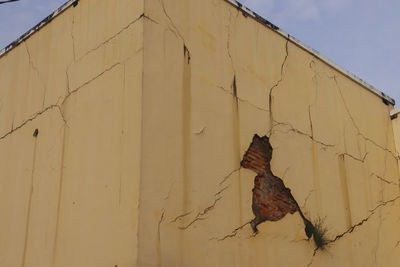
(213, 78)
(69, 192)
(123, 125)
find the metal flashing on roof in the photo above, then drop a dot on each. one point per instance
(245, 11)
(312, 51)
(38, 26)
(394, 113)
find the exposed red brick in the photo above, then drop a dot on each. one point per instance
(271, 199)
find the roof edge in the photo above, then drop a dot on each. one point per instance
(37, 27)
(394, 113)
(312, 51)
(244, 9)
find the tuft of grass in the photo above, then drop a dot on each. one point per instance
(319, 232)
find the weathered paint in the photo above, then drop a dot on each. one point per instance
(245, 79)
(123, 125)
(70, 127)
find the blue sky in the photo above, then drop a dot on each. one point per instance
(360, 35)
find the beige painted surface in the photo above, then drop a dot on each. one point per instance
(69, 197)
(142, 123)
(333, 146)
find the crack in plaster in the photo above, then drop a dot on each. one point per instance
(152, 20)
(174, 29)
(372, 212)
(224, 179)
(353, 157)
(72, 37)
(242, 99)
(232, 234)
(307, 197)
(382, 196)
(292, 129)
(33, 117)
(112, 37)
(312, 257)
(278, 82)
(37, 73)
(181, 216)
(28, 217)
(200, 215)
(58, 106)
(159, 255)
(384, 180)
(228, 47)
(315, 79)
(359, 133)
(353, 227)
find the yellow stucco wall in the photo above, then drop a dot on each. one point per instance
(144, 110)
(69, 197)
(333, 146)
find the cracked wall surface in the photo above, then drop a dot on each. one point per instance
(222, 77)
(70, 127)
(144, 111)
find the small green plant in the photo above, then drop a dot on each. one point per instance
(319, 232)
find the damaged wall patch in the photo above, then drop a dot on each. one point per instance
(272, 200)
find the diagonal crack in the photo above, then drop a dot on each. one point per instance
(232, 234)
(384, 180)
(174, 29)
(200, 215)
(242, 99)
(312, 257)
(112, 37)
(33, 117)
(292, 129)
(58, 106)
(181, 216)
(355, 226)
(359, 133)
(352, 228)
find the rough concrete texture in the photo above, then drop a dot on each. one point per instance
(144, 111)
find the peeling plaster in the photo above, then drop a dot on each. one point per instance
(272, 200)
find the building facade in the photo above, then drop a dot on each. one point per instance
(128, 135)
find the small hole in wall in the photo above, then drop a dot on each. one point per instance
(35, 133)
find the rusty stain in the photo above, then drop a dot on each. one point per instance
(272, 200)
